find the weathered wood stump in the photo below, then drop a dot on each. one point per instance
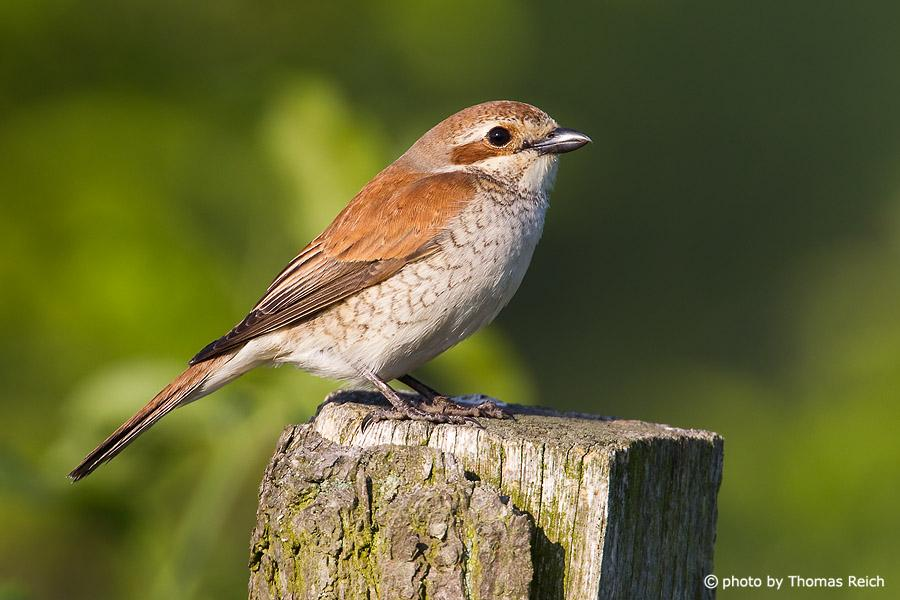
(546, 506)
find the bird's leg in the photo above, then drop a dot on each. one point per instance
(426, 391)
(401, 408)
(438, 403)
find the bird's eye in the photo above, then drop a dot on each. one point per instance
(499, 137)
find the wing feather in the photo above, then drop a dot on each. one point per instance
(396, 219)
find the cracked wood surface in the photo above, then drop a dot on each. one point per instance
(546, 506)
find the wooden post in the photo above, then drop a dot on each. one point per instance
(547, 506)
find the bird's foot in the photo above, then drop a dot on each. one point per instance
(433, 408)
(412, 412)
(442, 405)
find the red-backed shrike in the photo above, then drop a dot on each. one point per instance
(426, 254)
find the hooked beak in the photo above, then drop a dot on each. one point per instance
(561, 140)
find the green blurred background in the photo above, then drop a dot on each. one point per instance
(726, 255)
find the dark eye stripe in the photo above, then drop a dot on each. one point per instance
(472, 153)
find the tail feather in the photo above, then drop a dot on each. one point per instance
(181, 390)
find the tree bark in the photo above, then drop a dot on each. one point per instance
(545, 506)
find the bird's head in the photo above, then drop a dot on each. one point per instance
(513, 142)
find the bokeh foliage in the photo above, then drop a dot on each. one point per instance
(726, 255)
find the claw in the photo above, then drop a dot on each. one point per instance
(378, 415)
(366, 421)
(473, 422)
(491, 409)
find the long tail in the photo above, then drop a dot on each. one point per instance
(184, 388)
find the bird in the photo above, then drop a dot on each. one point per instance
(427, 253)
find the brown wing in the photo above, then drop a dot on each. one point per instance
(396, 219)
